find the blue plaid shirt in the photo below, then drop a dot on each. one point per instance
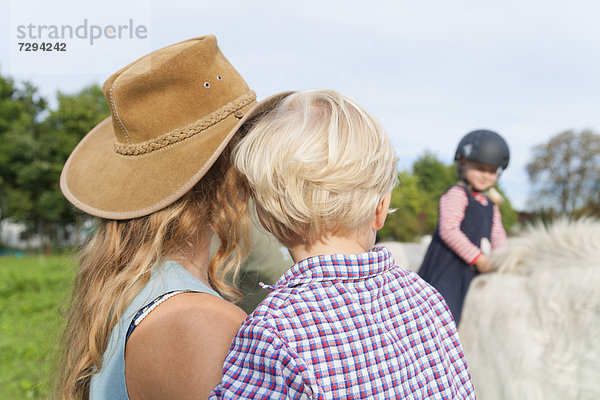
(347, 327)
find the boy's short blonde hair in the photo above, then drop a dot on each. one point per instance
(317, 164)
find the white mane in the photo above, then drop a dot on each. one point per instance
(562, 244)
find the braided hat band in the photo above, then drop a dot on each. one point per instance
(178, 135)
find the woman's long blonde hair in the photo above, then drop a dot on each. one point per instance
(116, 263)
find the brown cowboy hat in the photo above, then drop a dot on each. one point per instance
(173, 112)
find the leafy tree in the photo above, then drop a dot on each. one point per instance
(64, 127)
(416, 199)
(404, 223)
(434, 178)
(20, 109)
(75, 116)
(34, 151)
(565, 172)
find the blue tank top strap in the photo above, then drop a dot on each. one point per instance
(143, 312)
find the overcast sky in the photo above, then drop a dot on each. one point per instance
(430, 71)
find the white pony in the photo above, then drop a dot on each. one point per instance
(531, 330)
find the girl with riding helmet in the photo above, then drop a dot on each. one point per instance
(469, 221)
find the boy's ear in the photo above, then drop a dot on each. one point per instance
(382, 211)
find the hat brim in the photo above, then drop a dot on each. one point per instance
(103, 183)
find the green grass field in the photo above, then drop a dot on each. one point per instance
(33, 294)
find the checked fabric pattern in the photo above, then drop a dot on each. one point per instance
(347, 327)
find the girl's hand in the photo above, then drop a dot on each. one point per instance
(483, 264)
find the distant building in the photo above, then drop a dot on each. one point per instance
(15, 236)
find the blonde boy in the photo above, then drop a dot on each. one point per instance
(343, 322)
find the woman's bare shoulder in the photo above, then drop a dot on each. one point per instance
(186, 308)
(179, 349)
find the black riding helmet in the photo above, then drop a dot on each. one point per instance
(486, 147)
